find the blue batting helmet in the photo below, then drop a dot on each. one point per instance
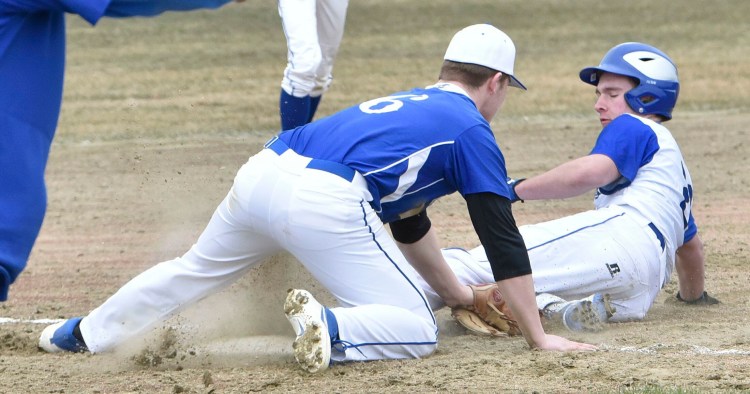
(658, 84)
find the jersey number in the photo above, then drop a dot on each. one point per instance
(389, 104)
(687, 194)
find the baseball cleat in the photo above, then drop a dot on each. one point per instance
(589, 314)
(603, 305)
(59, 337)
(312, 347)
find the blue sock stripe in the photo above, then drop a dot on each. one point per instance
(314, 102)
(332, 323)
(294, 111)
(64, 338)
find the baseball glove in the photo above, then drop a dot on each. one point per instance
(488, 315)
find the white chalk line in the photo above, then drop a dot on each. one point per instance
(690, 349)
(10, 320)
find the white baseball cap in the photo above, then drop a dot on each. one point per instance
(487, 46)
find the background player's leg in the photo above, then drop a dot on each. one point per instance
(331, 17)
(299, 21)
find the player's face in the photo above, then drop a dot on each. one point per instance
(610, 93)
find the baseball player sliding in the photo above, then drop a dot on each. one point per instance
(323, 192)
(642, 227)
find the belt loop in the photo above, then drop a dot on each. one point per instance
(271, 141)
(276, 145)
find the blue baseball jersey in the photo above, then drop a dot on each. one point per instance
(655, 180)
(32, 62)
(411, 147)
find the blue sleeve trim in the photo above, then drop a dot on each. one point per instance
(630, 144)
(691, 229)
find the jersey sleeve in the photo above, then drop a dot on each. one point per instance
(492, 217)
(629, 143)
(90, 10)
(128, 8)
(478, 166)
(691, 229)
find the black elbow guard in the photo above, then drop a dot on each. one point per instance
(411, 229)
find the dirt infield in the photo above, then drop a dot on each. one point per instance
(110, 220)
(138, 167)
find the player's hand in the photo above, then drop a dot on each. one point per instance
(560, 344)
(512, 183)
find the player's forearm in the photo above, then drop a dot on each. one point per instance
(425, 256)
(519, 293)
(690, 267)
(570, 179)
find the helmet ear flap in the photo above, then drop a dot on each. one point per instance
(647, 99)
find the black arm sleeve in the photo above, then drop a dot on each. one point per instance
(411, 229)
(493, 221)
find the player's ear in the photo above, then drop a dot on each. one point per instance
(498, 82)
(504, 80)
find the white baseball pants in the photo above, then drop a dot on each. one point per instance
(599, 251)
(277, 203)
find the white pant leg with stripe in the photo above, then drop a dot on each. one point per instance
(598, 251)
(324, 221)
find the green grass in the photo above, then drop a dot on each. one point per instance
(219, 71)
